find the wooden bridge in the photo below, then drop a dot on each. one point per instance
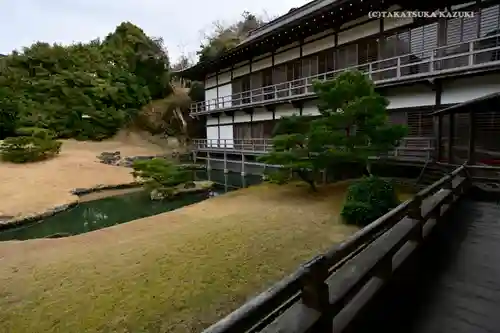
(430, 265)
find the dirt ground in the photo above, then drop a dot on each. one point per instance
(174, 272)
(33, 188)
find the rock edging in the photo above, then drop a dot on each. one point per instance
(16, 222)
(37, 217)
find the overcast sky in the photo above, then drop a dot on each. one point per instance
(179, 22)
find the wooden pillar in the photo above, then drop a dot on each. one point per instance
(472, 136)
(225, 162)
(438, 125)
(451, 138)
(439, 138)
(243, 165)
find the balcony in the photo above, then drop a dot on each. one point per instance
(411, 148)
(477, 55)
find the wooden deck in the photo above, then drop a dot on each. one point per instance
(431, 265)
(455, 287)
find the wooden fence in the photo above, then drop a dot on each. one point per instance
(326, 293)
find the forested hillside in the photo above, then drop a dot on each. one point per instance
(89, 91)
(84, 91)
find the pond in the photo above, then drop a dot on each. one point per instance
(109, 211)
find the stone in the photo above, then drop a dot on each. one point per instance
(110, 158)
(156, 195)
(189, 185)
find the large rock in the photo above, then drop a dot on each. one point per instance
(186, 188)
(110, 158)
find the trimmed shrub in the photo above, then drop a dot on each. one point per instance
(24, 149)
(160, 175)
(368, 199)
(37, 132)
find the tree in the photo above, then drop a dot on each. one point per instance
(160, 175)
(354, 121)
(144, 56)
(291, 151)
(227, 37)
(85, 90)
(352, 127)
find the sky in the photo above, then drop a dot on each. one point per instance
(181, 23)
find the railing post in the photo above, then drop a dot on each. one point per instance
(370, 69)
(398, 68)
(243, 164)
(431, 62)
(471, 53)
(415, 213)
(315, 293)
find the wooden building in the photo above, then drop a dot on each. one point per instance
(422, 65)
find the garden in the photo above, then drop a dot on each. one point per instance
(181, 270)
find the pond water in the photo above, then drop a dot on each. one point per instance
(106, 212)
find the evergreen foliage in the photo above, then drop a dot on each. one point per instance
(352, 127)
(368, 199)
(160, 175)
(34, 144)
(83, 91)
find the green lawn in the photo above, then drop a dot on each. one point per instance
(175, 272)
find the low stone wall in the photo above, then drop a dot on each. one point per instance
(36, 217)
(15, 222)
(199, 186)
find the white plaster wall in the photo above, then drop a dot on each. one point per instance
(225, 92)
(224, 77)
(262, 64)
(287, 56)
(354, 22)
(210, 82)
(364, 30)
(285, 111)
(223, 119)
(212, 136)
(262, 114)
(393, 22)
(310, 109)
(464, 89)
(211, 98)
(241, 69)
(319, 45)
(407, 97)
(318, 36)
(241, 117)
(212, 121)
(288, 46)
(226, 136)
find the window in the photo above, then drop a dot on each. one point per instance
(326, 61)
(245, 88)
(267, 82)
(367, 51)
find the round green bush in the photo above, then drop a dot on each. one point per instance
(38, 132)
(368, 199)
(23, 149)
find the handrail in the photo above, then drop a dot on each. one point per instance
(328, 286)
(394, 67)
(410, 147)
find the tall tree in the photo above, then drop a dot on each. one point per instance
(352, 127)
(226, 37)
(55, 86)
(144, 56)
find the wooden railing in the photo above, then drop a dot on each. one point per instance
(326, 293)
(259, 145)
(479, 53)
(411, 148)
